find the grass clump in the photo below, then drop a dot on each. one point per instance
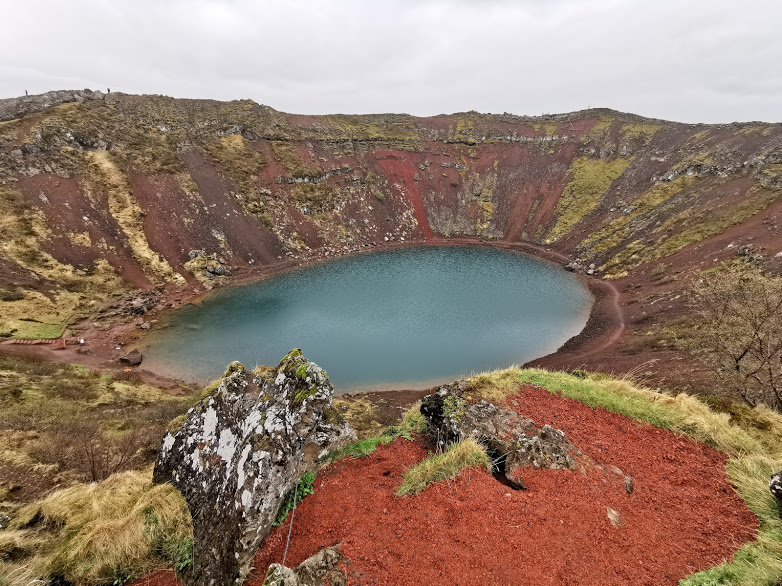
(303, 488)
(103, 533)
(445, 466)
(494, 385)
(412, 422)
(591, 179)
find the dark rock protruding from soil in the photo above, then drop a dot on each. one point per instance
(317, 570)
(238, 454)
(132, 358)
(513, 441)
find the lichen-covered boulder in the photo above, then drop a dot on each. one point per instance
(236, 457)
(514, 442)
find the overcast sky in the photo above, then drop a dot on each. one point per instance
(686, 60)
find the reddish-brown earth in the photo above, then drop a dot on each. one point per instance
(682, 517)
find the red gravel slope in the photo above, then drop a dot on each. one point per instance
(682, 517)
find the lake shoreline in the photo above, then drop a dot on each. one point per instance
(103, 340)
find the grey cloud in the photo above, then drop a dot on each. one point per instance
(697, 61)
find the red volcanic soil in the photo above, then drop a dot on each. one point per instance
(682, 517)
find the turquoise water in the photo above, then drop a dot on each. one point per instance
(394, 319)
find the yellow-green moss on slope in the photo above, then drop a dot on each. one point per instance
(639, 131)
(690, 228)
(23, 239)
(239, 159)
(599, 131)
(591, 179)
(482, 187)
(346, 127)
(714, 222)
(285, 154)
(550, 128)
(126, 211)
(612, 234)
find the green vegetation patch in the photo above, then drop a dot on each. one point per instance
(690, 228)
(599, 132)
(613, 233)
(590, 180)
(32, 314)
(240, 160)
(303, 488)
(446, 466)
(550, 128)
(640, 131)
(364, 128)
(714, 222)
(412, 422)
(286, 156)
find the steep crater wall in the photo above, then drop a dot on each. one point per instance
(100, 194)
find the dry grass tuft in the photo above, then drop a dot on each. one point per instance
(106, 532)
(445, 466)
(495, 385)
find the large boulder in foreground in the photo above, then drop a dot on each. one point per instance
(236, 457)
(513, 441)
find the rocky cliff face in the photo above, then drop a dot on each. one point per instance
(105, 192)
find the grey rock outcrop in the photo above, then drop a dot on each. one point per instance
(11, 108)
(329, 436)
(236, 457)
(513, 441)
(316, 570)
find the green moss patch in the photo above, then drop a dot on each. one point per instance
(590, 180)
